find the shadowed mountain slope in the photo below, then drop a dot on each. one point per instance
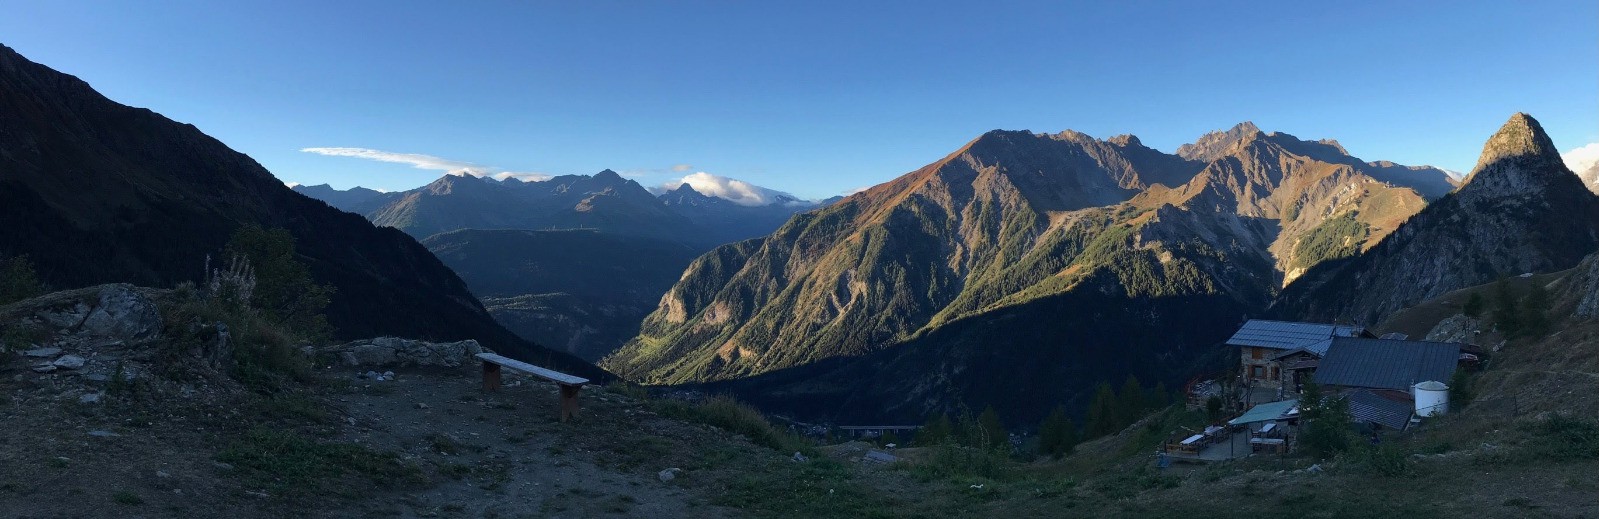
(1520, 210)
(94, 191)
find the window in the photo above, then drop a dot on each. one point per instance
(1274, 373)
(1257, 371)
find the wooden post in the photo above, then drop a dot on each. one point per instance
(491, 376)
(569, 401)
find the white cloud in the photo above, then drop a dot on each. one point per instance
(292, 185)
(1580, 159)
(682, 167)
(420, 161)
(731, 189)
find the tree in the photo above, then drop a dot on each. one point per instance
(1213, 406)
(1160, 397)
(1057, 435)
(991, 433)
(18, 280)
(1506, 313)
(1328, 434)
(1130, 402)
(1102, 418)
(936, 431)
(1473, 307)
(1535, 310)
(284, 290)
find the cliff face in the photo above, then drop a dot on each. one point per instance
(1520, 210)
(93, 191)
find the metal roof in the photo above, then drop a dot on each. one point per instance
(1367, 407)
(1267, 412)
(1386, 364)
(1285, 335)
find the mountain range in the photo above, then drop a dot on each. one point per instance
(604, 202)
(1049, 262)
(93, 191)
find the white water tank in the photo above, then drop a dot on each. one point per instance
(1432, 398)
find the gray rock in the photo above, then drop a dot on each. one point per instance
(668, 474)
(394, 351)
(42, 352)
(70, 362)
(103, 434)
(44, 368)
(1314, 469)
(800, 457)
(89, 398)
(122, 313)
(98, 377)
(370, 374)
(162, 474)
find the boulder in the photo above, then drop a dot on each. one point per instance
(69, 362)
(395, 352)
(122, 313)
(104, 314)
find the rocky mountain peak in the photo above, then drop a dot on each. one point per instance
(1213, 145)
(1126, 140)
(608, 176)
(1519, 157)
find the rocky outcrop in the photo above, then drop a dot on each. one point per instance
(105, 314)
(396, 352)
(1584, 287)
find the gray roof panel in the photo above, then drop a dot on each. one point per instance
(1386, 364)
(1366, 407)
(1284, 335)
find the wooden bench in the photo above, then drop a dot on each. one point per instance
(569, 384)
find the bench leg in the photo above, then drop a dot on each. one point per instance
(569, 401)
(491, 376)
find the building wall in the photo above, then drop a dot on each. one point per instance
(1258, 368)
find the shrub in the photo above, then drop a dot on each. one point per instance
(1560, 436)
(283, 288)
(18, 280)
(728, 413)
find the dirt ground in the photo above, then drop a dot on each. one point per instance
(499, 454)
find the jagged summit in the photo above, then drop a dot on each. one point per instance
(1516, 157)
(608, 176)
(1125, 140)
(1213, 145)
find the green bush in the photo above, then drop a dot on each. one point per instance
(725, 412)
(284, 290)
(1385, 460)
(1562, 437)
(18, 280)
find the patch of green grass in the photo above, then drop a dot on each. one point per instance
(292, 407)
(449, 446)
(123, 497)
(727, 413)
(820, 487)
(289, 464)
(1564, 437)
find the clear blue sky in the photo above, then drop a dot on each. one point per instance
(814, 98)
